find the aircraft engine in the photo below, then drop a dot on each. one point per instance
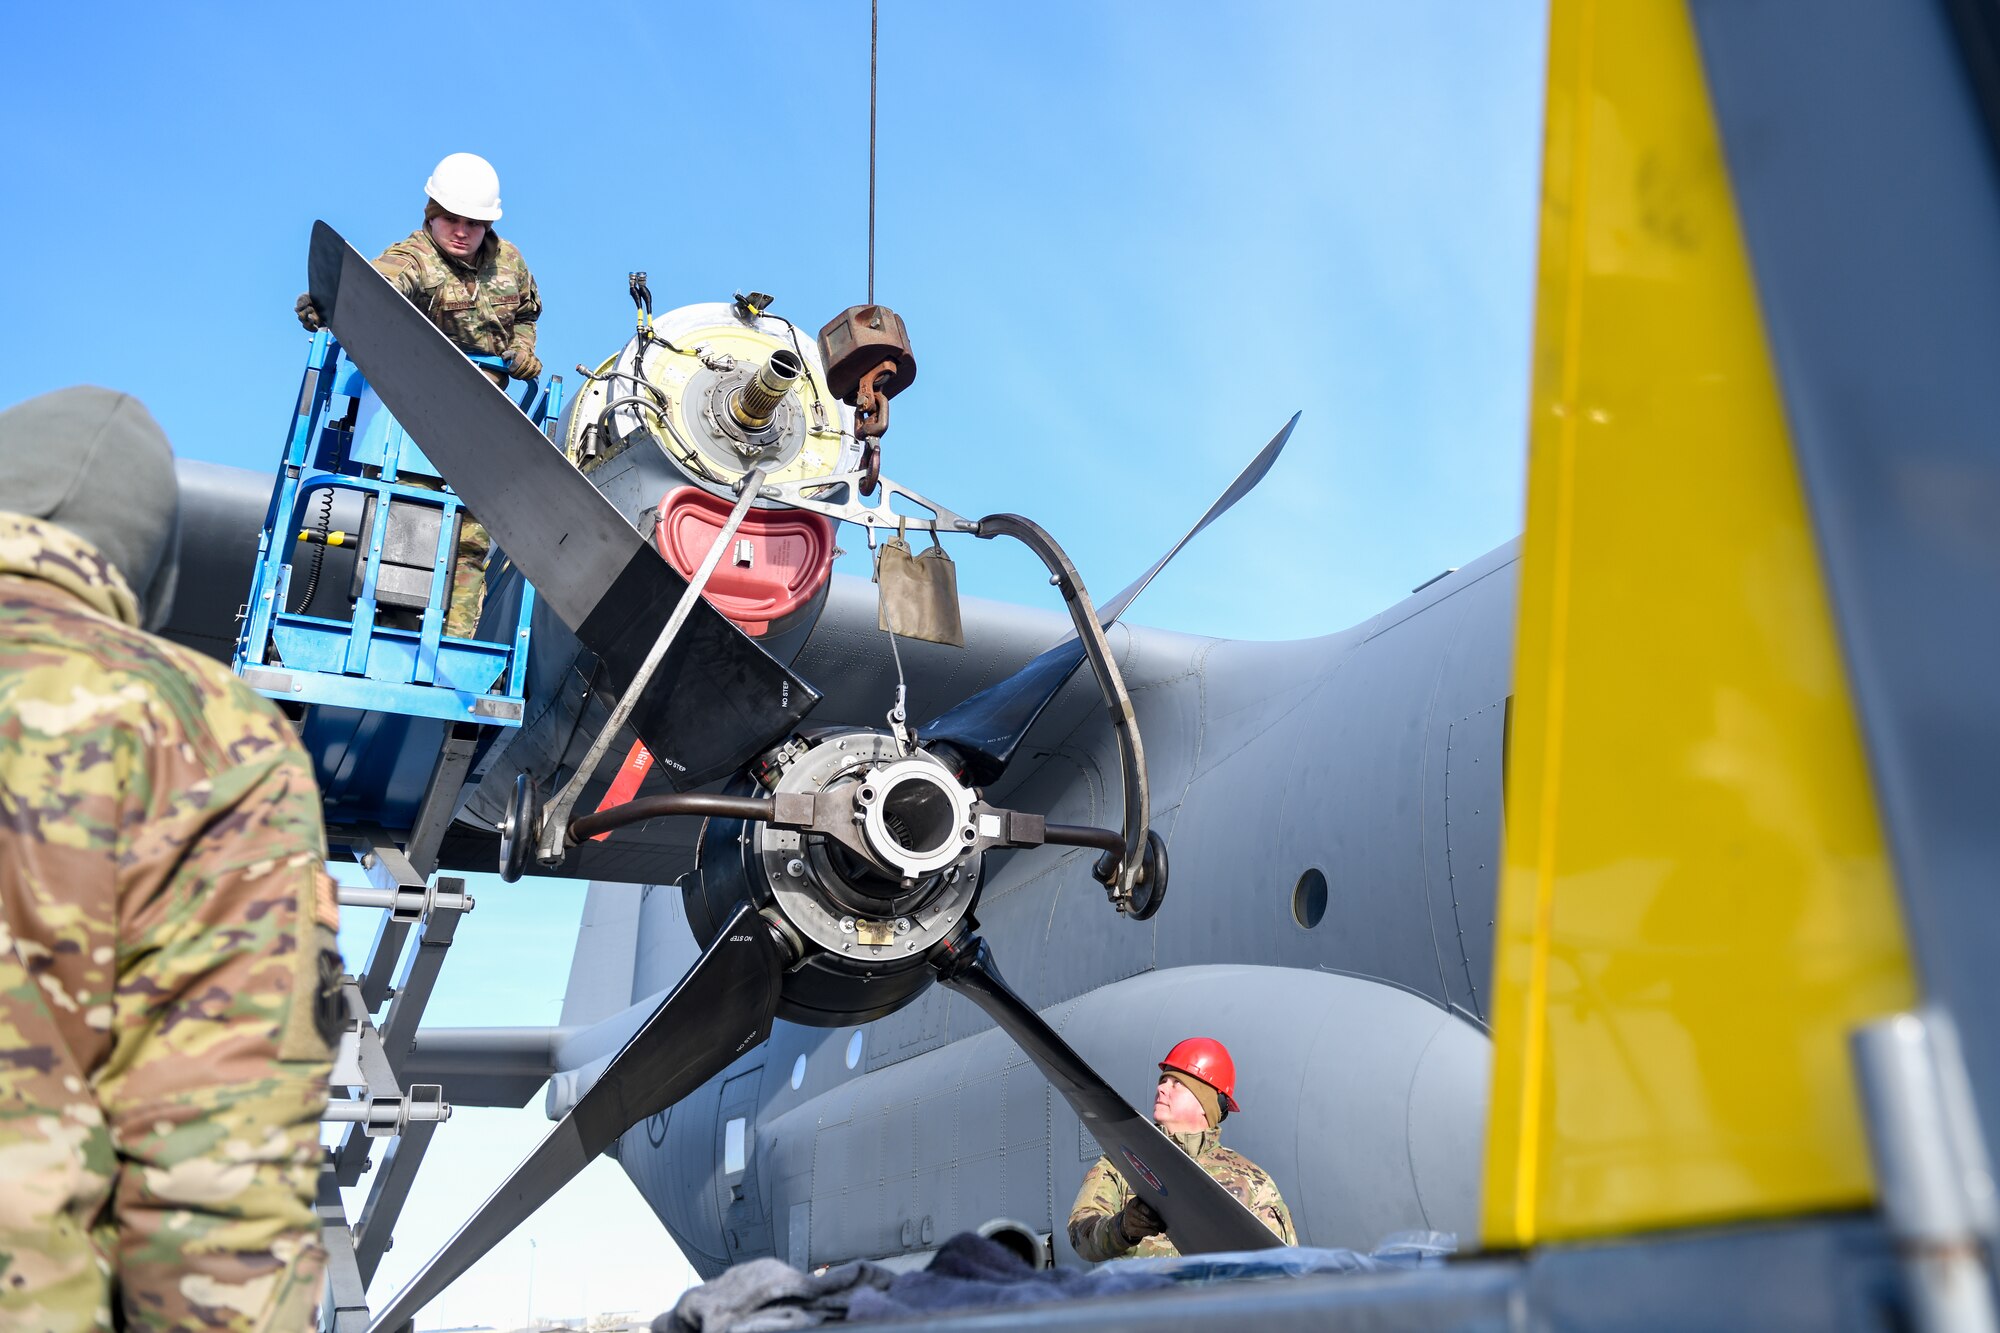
(889, 885)
(667, 425)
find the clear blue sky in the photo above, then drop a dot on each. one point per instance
(1129, 240)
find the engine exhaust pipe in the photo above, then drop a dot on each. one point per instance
(756, 402)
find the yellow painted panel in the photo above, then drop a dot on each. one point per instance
(1696, 905)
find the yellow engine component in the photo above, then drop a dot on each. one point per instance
(1696, 905)
(701, 365)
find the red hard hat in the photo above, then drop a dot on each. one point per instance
(1208, 1060)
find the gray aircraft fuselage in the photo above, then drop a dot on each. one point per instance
(1369, 762)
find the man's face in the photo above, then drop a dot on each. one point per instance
(457, 236)
(1176, 1110)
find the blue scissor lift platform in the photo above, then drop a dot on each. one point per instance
(377, 684)
(345, 629)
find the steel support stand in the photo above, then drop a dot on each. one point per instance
(344, 1309)
(1931, 1168)
(368, 1064)
(391, 1187)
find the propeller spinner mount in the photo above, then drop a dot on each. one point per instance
(885, 874)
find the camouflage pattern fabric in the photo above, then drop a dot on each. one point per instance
(468, 578)
(1093, 1223)
(487, 304)
(168, 980)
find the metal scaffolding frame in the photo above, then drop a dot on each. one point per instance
(369, 1099)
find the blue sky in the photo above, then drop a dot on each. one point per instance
(1129, 240)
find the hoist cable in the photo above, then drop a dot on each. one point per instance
(874, 23)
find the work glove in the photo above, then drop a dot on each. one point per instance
(524, 365)
(1139, 1220)
(308, 313)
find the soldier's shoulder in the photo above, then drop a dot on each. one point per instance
(412, 252)
(84, 655)
(243, 725)
(509, 255)
(1228, 1159)
(411, 245)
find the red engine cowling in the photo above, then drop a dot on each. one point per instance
(773, 572)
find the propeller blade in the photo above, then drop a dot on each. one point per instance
(719, 699)
(1202, 1217)
(987, 727)
(721, 1008)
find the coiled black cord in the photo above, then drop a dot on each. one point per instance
(325, 526)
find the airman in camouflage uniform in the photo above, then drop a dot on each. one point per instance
(168, 980)
(477, 289)
(486, 303)
(1109, 1221)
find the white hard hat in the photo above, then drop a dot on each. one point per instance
(466, 184)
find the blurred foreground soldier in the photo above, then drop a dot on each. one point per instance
(1194, 1096)
(477, 289)
(168, 981)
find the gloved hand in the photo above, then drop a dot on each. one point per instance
(524, 365)
(1139, 1220)
(308, 313)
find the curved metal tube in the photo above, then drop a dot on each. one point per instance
(1131, 754)
(1084, 835)
(586, 827)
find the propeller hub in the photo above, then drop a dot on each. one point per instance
(915, 816)
(889, 873)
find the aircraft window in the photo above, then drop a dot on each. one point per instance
(854, 1050)
(1309, 899)
(732, 1147)
(798, 1073)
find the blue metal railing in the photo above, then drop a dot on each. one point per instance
(373, 691)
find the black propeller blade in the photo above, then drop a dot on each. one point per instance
(719, 699)
(1202, 1217)
(721, 1008)
(987, 727)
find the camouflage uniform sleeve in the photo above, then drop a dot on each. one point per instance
(404, 270)
(521, 343)
(221, 1027)
(1269, 1206)
(1093, 1221)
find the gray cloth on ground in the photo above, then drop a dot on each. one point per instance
(94, 461)
(765, 1296)
(968, 1272)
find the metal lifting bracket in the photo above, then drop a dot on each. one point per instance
(408, 904)
(384, 1117)
(812, 495)
(376, 1101)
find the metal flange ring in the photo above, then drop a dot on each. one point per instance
(914, 818)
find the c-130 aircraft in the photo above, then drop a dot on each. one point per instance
(762, 1048)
